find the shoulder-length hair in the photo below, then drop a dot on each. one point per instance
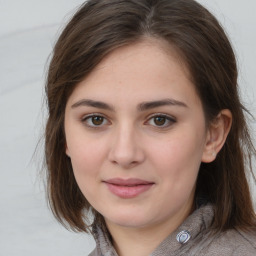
(101, 26)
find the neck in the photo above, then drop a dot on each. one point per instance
(143, 241)
(136, 242)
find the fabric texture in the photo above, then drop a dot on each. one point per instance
(202, 242)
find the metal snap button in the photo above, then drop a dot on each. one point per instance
(183, 236)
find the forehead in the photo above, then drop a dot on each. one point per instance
(149, 51)
(145, 70)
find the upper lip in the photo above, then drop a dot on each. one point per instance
(128, 182)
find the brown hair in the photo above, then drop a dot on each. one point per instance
(101, 26)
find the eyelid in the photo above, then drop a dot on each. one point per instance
(86, 117)
(170, 120)
(167, 116)
(162, 115)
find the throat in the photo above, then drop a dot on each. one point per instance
(135, 244)
(138, 241)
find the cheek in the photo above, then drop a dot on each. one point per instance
(85, 149)
(87, 157)
(179, 151)
(86, 167)
(177, 161)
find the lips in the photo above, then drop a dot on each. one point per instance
(128, 188)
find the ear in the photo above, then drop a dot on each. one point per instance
(216, 135)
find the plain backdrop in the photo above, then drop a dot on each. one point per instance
(28, 30)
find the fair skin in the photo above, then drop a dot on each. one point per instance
(137, 118)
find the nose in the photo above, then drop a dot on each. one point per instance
(126, 148)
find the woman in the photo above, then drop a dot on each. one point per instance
(146, 140)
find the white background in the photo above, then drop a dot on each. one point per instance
(28, 30)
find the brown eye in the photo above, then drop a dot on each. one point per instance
(97, 120)
(159, 120)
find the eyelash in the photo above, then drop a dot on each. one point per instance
(86, 121)
(167, 119)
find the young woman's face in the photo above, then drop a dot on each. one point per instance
(136, 135)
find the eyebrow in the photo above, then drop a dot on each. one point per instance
(159, 103)
(141, 107)
(92, 103)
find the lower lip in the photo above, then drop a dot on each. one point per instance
(128, 191)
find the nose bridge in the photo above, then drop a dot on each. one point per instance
(126, 150)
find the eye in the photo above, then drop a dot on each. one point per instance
(161, 120)
(95, 121)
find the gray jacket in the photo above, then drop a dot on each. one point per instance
(193, 237)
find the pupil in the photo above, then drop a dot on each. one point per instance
(97, 120)
(159, 120)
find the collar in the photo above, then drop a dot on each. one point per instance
(182, 239)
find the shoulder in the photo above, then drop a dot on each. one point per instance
(94, 253)
(232, 242)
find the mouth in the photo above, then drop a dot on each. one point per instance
(128, 188)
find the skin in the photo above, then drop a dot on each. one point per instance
(126, 139)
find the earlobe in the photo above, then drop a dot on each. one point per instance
(216, 135)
